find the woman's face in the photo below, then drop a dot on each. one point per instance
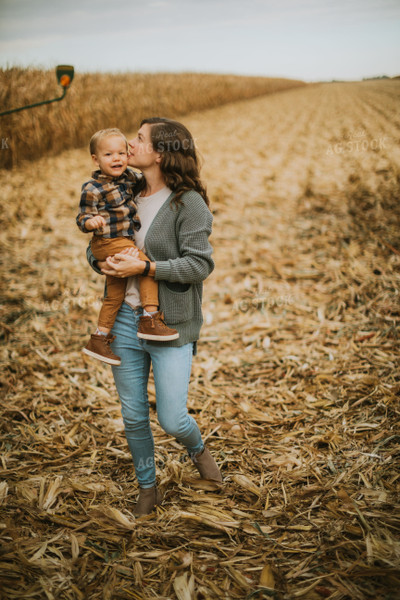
(141, 152)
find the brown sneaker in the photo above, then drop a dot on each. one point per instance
(154, 328)
(99, 347)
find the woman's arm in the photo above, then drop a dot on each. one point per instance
(193, 226)
(92, 261)
(126, 262)
(190, 228)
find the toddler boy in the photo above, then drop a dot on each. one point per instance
(109, 210)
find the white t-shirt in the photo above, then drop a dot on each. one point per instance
(148, 207)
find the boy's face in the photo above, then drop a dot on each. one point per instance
(111, 155)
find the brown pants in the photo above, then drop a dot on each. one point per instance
(115, 293)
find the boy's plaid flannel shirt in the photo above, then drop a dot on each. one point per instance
(113, 199)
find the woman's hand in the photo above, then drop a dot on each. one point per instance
(102, 264)
(131, 252)
(123, 264)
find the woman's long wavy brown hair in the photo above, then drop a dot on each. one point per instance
(179, 159)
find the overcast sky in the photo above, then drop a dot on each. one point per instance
(311, 40)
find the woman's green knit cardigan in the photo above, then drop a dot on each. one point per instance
(177, 241)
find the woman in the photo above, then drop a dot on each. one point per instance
(176, 224)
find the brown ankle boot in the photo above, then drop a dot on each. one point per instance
(206, 466)
(147, 500)
(154, 328)
(99, 347)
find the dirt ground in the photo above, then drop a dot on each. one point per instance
(295, 385)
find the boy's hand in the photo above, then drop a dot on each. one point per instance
(95, 223)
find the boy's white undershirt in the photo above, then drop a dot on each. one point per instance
(148, 207)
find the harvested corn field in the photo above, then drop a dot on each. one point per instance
(130, 97)
(295, 385)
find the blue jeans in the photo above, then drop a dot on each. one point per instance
(171, 370)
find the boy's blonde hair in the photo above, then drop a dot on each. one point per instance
(103, 133)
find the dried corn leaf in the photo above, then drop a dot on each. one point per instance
(267, 577)
(114, 515)
(246, 483)
(184, 587)
(3, 491)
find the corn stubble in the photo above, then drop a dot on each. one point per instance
(295, 385)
